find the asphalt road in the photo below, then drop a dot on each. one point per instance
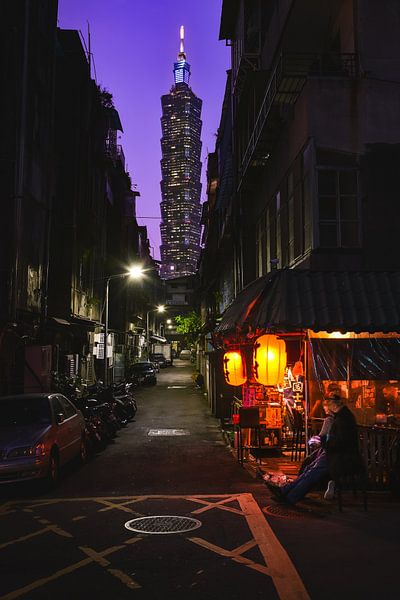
(173, 462)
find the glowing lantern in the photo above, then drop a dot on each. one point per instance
(269, 360)
(234, 368)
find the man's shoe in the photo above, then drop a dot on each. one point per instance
(330, 490)
(276, 490)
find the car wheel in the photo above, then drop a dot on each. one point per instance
(83, 451)
(53, 471)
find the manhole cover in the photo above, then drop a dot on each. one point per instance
(163, 524)
(168, 432)
(284, 512)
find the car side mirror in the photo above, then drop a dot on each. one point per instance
(59, 418)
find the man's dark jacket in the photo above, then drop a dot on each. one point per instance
(342, 445)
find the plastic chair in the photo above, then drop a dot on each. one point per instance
(352, 476)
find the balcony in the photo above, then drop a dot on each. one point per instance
(245, 58)
(285, 84)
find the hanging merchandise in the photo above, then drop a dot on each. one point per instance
(298, 370)
(234, 368)
(269, 360)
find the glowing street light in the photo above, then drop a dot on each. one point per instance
(134, 272)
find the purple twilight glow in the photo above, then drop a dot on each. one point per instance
(135, 43)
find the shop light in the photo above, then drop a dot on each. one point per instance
(269, 360)
(234, 368)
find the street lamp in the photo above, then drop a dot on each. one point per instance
(135, 272)
(159, 309)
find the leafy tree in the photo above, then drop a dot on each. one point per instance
(189, 326)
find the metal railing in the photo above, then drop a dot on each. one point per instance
(286, 82)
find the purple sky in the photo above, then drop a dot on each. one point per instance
(135, 43)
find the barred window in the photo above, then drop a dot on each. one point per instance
(338, 209)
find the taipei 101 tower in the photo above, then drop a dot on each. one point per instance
(181, 171)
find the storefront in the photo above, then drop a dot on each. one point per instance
(299, 334)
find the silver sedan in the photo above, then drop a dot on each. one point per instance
(38, 434)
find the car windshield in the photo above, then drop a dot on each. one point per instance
(24, 411)
(142, 367)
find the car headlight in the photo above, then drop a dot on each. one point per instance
(23, 451)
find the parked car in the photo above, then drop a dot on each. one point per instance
(38, 434)
(159, 359)
(143, 372)
(185, 355)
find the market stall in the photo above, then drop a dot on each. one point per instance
(297, 335)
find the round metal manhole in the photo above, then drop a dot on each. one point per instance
(163, 524)
(284, 512)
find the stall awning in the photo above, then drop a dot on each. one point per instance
(295, 299)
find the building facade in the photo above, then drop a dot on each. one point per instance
(305, 174)
(69, 206)
(181, 171)
(28, 179)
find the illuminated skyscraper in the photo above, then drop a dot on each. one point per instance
(181, 171)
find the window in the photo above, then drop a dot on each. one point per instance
(69, 408)
(338, 209)
(58, 407)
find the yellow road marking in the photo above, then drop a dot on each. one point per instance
(97, 557)
(78, 518)
(5, 508)
(279, 566)
(245, 547)
(59, 531)
(133, 540)
(66, 571)
(283, 572)
(231, 554)
(120, 506)
(220, 504)
(25, 537)
(50, 527)
(130, 583)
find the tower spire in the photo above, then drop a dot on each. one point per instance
(181, 48)
(181, 67)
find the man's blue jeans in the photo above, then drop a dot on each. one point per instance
(312, 474)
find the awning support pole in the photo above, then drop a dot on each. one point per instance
(306, 402)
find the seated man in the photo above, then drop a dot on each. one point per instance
(315, 442)
(339, 452)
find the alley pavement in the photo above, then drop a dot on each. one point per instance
(211, 529)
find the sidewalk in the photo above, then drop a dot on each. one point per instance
(281, 469)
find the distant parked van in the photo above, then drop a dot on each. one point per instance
(185, 355)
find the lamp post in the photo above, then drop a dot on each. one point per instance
(134, 272)
(159, 309)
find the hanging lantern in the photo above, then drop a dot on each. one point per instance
(269, 360)
(234, 368)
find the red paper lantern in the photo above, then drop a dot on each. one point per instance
(269, 360)
(234, 368)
